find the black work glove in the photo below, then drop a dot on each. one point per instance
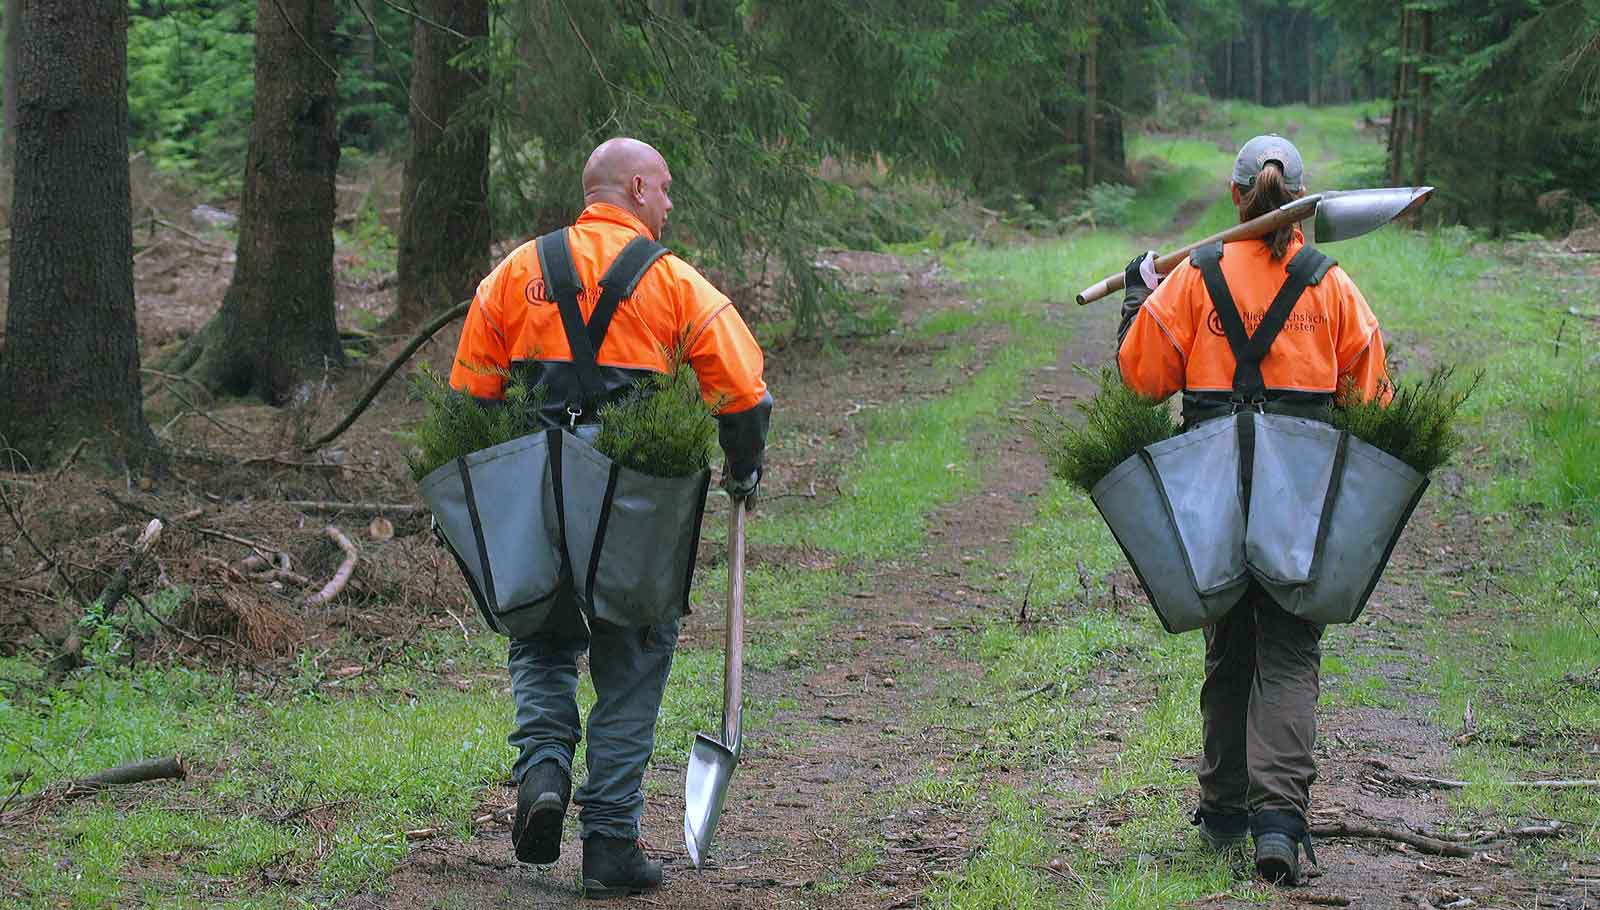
(742, 489)
(1139, 274)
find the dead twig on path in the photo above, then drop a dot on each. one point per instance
(1322, 900)
(1374, 832)
(1443, 783)
(422, 337)
(357, 508)
(341, 577)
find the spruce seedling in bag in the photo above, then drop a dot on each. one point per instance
(1117, 422)
(457, 424)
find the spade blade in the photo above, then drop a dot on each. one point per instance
(1343, 215)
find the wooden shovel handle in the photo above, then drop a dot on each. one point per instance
(1292, 213)
(733, 667)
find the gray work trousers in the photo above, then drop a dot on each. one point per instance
(629, 668)
(1258, 705)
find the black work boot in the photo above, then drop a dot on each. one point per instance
(1222, 830)
(616, 867)
(541, 809)
(1279, 836)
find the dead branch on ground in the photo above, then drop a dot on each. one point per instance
(1390, 775)
(1374, 832)
(421, 338)
(132, 773)
(357, 508)
(340, 578)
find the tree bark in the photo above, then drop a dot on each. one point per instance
(1091, 105)
(70, 364)
(276, 328)
(445, 228)
(1258, 38)
(1419, 146)
(1397, 118)
(13, 22)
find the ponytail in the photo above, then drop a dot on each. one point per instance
(1264, 195)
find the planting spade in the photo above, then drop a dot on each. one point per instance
(711, 760)
(1337, 216)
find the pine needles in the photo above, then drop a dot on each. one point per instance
(458, 424)
(1418, 424)
(1117, 423)
(662, 427)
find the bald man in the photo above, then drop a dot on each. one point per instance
(514, 328)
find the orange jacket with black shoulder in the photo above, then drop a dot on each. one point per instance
(514, 325)
(1175, 341)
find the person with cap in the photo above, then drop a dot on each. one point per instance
(1262, 664)
(514, 329)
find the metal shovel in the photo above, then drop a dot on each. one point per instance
(1338, 215)
(711, 761)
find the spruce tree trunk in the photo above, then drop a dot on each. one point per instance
(70, 362)
(276, 328)
(445, 228)
(13, 22)
(1091, 106)
(1419, 147)
(1397, 119)
(1257, 40)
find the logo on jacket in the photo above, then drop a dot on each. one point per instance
(1298, 322)
(538, 294)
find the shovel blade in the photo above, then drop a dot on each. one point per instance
(705, 786)
(1343, 215)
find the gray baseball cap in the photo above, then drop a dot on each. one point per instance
(1271, 147)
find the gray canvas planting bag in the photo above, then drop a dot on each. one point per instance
(1318, 540)
(494, 511)
(1175, 508)
(628, 539)
(1325, 509)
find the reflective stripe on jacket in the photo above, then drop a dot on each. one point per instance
(514, 325)
(1176, 343)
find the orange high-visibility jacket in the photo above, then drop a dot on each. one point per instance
(1176, 342)
(514, 325)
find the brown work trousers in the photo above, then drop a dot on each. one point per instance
(1258, 705)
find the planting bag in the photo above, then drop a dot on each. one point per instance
(1292, 474)
(495, 513)
(1175, 508)
(1319, 544)
(629, 538)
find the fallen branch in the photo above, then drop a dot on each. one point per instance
(421, 338)
(132, 773)
(1442, 783)
(358, 508)
(342, 576)
(67, 462)
(1424, 844)
(22, 529)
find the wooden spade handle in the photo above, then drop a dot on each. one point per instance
(1290, 213)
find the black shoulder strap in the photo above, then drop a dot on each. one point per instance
(1306, 269)
(620, 279)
